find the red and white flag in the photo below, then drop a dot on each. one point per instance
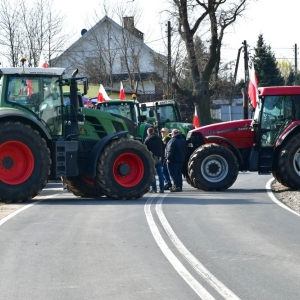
(122, 92)
(102, 95)
(30, 89)
(42, 63)
(252, 87)
(196, 122)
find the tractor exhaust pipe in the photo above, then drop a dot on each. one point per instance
(245, 104)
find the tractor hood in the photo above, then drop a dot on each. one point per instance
(183, 127)
(239, 132)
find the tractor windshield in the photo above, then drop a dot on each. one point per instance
(276, 113)
(39, 93)
(126, 110)
(167, 114)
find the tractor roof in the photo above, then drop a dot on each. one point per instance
(160, 102)
(39, 71)
(279, 90)
(117, 101)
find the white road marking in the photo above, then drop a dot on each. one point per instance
(192, 260)
(178, 266)
(271, 195)
(26, 206)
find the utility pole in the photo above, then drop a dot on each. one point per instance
(169, 61)
(296, 79)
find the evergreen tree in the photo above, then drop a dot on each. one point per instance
(291, 78)
(265, 65)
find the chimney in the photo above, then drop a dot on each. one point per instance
(128, 24)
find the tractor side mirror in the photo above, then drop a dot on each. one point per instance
(85, 87)
(151, 113)
(142, 118)
(143, 107)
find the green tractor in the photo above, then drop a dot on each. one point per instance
(42, 138)
(129, 112)
(165, 113)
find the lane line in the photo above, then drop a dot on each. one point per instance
(192, 260)
(271, 195)
(26, 206)
(177, 265)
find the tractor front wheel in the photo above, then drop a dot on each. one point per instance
(24, 162)
(125, 169)
(289, 163)
(213, 167)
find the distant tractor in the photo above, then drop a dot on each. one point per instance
(129, 112)
(165, 113)
(43, 138)
(269, 143)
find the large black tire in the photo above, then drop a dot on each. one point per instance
(125, 169)
(289, 163)
(189, 181)
(24, 162)
(213, 167)
(278, 177)
(83, 187)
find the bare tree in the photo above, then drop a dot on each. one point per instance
(217, 15)
(10, 32)
(28, 29)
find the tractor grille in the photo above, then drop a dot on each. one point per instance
(87, 144)
(98, 127)
(118, 126)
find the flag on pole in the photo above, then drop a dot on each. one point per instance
(42, 63)
(196, 119)
(102, 95)
(252, 87)
(122, 92)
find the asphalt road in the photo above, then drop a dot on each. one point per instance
(237, 244)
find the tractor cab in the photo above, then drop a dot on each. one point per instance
(276, 109)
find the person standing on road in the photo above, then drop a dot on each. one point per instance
(175, 155)
(166, 136)
(156, 146)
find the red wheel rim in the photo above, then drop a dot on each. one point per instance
(136, 170)
(88, 180)
(16, 162)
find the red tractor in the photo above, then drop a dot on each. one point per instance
(269, 143)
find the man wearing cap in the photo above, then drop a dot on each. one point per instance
(166, 136)
(175, 155)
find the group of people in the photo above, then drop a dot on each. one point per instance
(169, 154)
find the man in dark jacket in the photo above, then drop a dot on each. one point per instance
(166, 136)
(175, 155)
(155, 145)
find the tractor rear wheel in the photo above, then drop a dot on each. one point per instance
(213, 167)
(125, 169)
(24, 162)
(289, 163)
(82, 186)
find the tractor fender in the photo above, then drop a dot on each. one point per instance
(293, 127)
(90, 170)
(18, 115)
(230, 144)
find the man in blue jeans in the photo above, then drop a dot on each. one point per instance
(156, 146)
(175, 155)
